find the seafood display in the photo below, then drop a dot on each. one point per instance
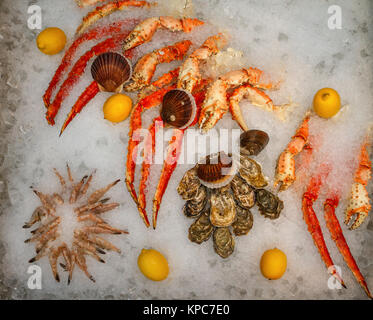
(220, 198)
(49, 218)
(162, 62)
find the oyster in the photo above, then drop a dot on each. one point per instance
(178, 108)
(194, 207)
(244, 222)
(201, 229)
(189, 185)
(223, 242)
(251, 172)
(243, 193)
(252, 142)
(269, 205)
(222, 208)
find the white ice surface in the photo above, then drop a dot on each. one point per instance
(288, 39)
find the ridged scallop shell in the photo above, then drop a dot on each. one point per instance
(217, 171)
(178, 108)
(252, 142)
(111, 70)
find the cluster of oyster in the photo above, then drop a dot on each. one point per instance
(219, 194)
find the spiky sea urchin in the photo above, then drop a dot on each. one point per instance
(48, 236)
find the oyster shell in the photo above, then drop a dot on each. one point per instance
(217, 171)
(223, 242)
(244, 222)
(111, 70)
(178, 108)
(194, 207)
(251, 172)
(252, 142)
(269, 205)
(189, 185)
(243, 193)
(222, 208)
(201, 229)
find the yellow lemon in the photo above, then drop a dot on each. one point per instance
(326, 103)
(273, 264)
(153, 264)
(51, 40)
(117, 108)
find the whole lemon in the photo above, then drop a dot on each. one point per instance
(51, 40)
(326, 103)
(117, 108)
(153, 264)
(273, 264)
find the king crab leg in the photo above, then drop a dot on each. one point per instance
(145, 67)
(359, 204)
(309, 215)
(256, 97)
(149, 150)
(107, 9)
(150, 101)
(285, 168)
(87, 95)
(337, 235)
(145, 30)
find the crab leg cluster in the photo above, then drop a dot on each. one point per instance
(85, 240)
(144, 71)
(216, 104)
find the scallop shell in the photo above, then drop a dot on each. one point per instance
(217, 171)
(111, 70)
(252, 142)
(178, 108)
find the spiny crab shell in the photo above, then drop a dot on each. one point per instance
(224, 212)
